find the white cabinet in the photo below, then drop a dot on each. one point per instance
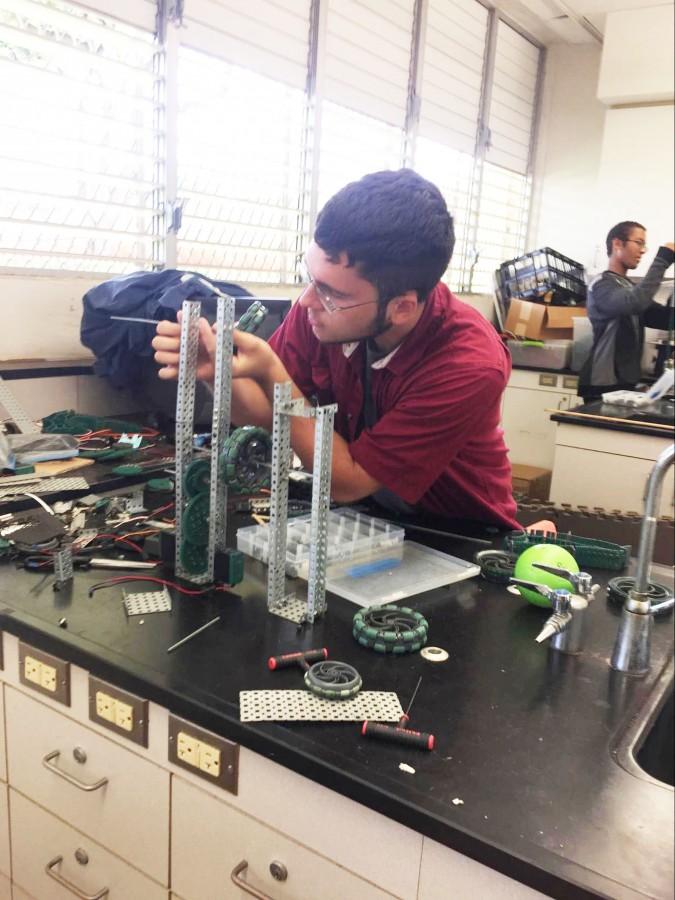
(445, 873)
(102, 789)
(526, 418)
(52, 861)
(5, 868)
(211, 839)
(596, 467)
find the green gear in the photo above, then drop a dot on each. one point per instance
(245, 460)
(195, 559)
(196, 520)
(253, 318)
(197, 477)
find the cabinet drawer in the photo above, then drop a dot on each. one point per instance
(209, 838)
(3, 758)
(5, 888)
(38, 838)
(128, 813)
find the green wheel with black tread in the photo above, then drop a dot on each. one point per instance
(245, 460)
(196, 520)
(198, 477)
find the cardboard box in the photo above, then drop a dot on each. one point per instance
(538, 321)
(530, 481)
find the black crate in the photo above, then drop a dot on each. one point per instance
(542, 275)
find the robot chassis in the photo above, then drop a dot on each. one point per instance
(285, 407)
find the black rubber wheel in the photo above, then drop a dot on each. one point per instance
(333, 680)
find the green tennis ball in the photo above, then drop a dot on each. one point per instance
(551, 555)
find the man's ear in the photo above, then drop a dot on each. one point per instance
(404, 308)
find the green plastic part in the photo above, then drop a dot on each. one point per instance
(253, 318)
(24, 470)
(236, 566)
(195, 559)
(160, 484)
(198, 477)
(196, 520)
(67, 421)
(551, 555)
(245, 460)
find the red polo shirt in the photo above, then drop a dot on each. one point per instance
(438, 441)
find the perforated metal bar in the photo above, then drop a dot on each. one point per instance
(323, 455)
(63, 564)
(281, 448)
(18, 414)
(185, 411)
(222, 405)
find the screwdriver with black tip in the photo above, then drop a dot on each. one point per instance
(399, 734)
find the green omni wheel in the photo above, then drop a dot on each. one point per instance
(333, 680)
(253, 318)
(246, 459)
(390, 629)
(198, 477)
(195, 558)
(196, 520)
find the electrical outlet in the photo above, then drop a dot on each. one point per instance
(32, 670)
(48, 678)
(43, 672)
(204, 754)
(118, 710)
(105, 706)
(187, 749)
(124, 716)
(209, 759)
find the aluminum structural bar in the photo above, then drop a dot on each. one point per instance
(281, 460)
(185, 412)
(222, 407)
(284, 408)
(323, 454)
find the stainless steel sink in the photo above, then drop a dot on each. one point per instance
(646, 748)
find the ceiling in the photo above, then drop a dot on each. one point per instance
(568, 21)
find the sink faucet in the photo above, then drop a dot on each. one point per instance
(633, 641)
(565, 626)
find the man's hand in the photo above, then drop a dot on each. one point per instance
(255, 359)
(670, 246)
(167, 346)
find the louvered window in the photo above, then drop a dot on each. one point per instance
(76, 152)
(242, 71)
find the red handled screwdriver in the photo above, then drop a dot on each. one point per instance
(302, 658)
(399, 734)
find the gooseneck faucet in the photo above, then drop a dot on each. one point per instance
(632, 649)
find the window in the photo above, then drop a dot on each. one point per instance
(76, 156)
(247, 118)
(240, 172)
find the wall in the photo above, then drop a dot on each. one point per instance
(564, 213)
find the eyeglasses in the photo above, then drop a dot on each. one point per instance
(325, 297)
(639, 243)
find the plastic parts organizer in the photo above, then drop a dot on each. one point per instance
(352, 537)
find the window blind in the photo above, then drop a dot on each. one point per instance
(366, 59)
(77, 154)
(513, 99)
(453, 55)
(270, 38)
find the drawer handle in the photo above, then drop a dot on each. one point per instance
(51, 868)
(82, 785)
(246, 888)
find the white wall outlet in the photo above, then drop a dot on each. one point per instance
(209, 759)
(124, 716)
(31, 670)
(205, 754)
(48, 678)
(187, 749)
(105, 706)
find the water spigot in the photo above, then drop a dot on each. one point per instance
(565, 626)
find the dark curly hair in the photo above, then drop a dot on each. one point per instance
(394, 227)
(621, 232)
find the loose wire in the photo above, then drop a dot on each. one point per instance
(111, 582)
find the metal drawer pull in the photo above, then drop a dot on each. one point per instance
(82, 785)
(50, 869)
(278, 871)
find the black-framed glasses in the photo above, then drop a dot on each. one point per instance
(326, 299)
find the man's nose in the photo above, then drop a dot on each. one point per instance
(308, 298)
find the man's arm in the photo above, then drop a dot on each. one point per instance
(613, 299)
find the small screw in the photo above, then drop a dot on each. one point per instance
(63, 622)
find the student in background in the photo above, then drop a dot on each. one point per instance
(619, 311)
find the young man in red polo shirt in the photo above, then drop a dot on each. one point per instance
(417, 375)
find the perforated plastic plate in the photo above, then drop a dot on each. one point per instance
(303, 706)
(142, 603)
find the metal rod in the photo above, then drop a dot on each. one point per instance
(417, 687)
(450, 534)
(188, 637)
(135, 319)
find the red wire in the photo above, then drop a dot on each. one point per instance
(177, 587)
(119, 539)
